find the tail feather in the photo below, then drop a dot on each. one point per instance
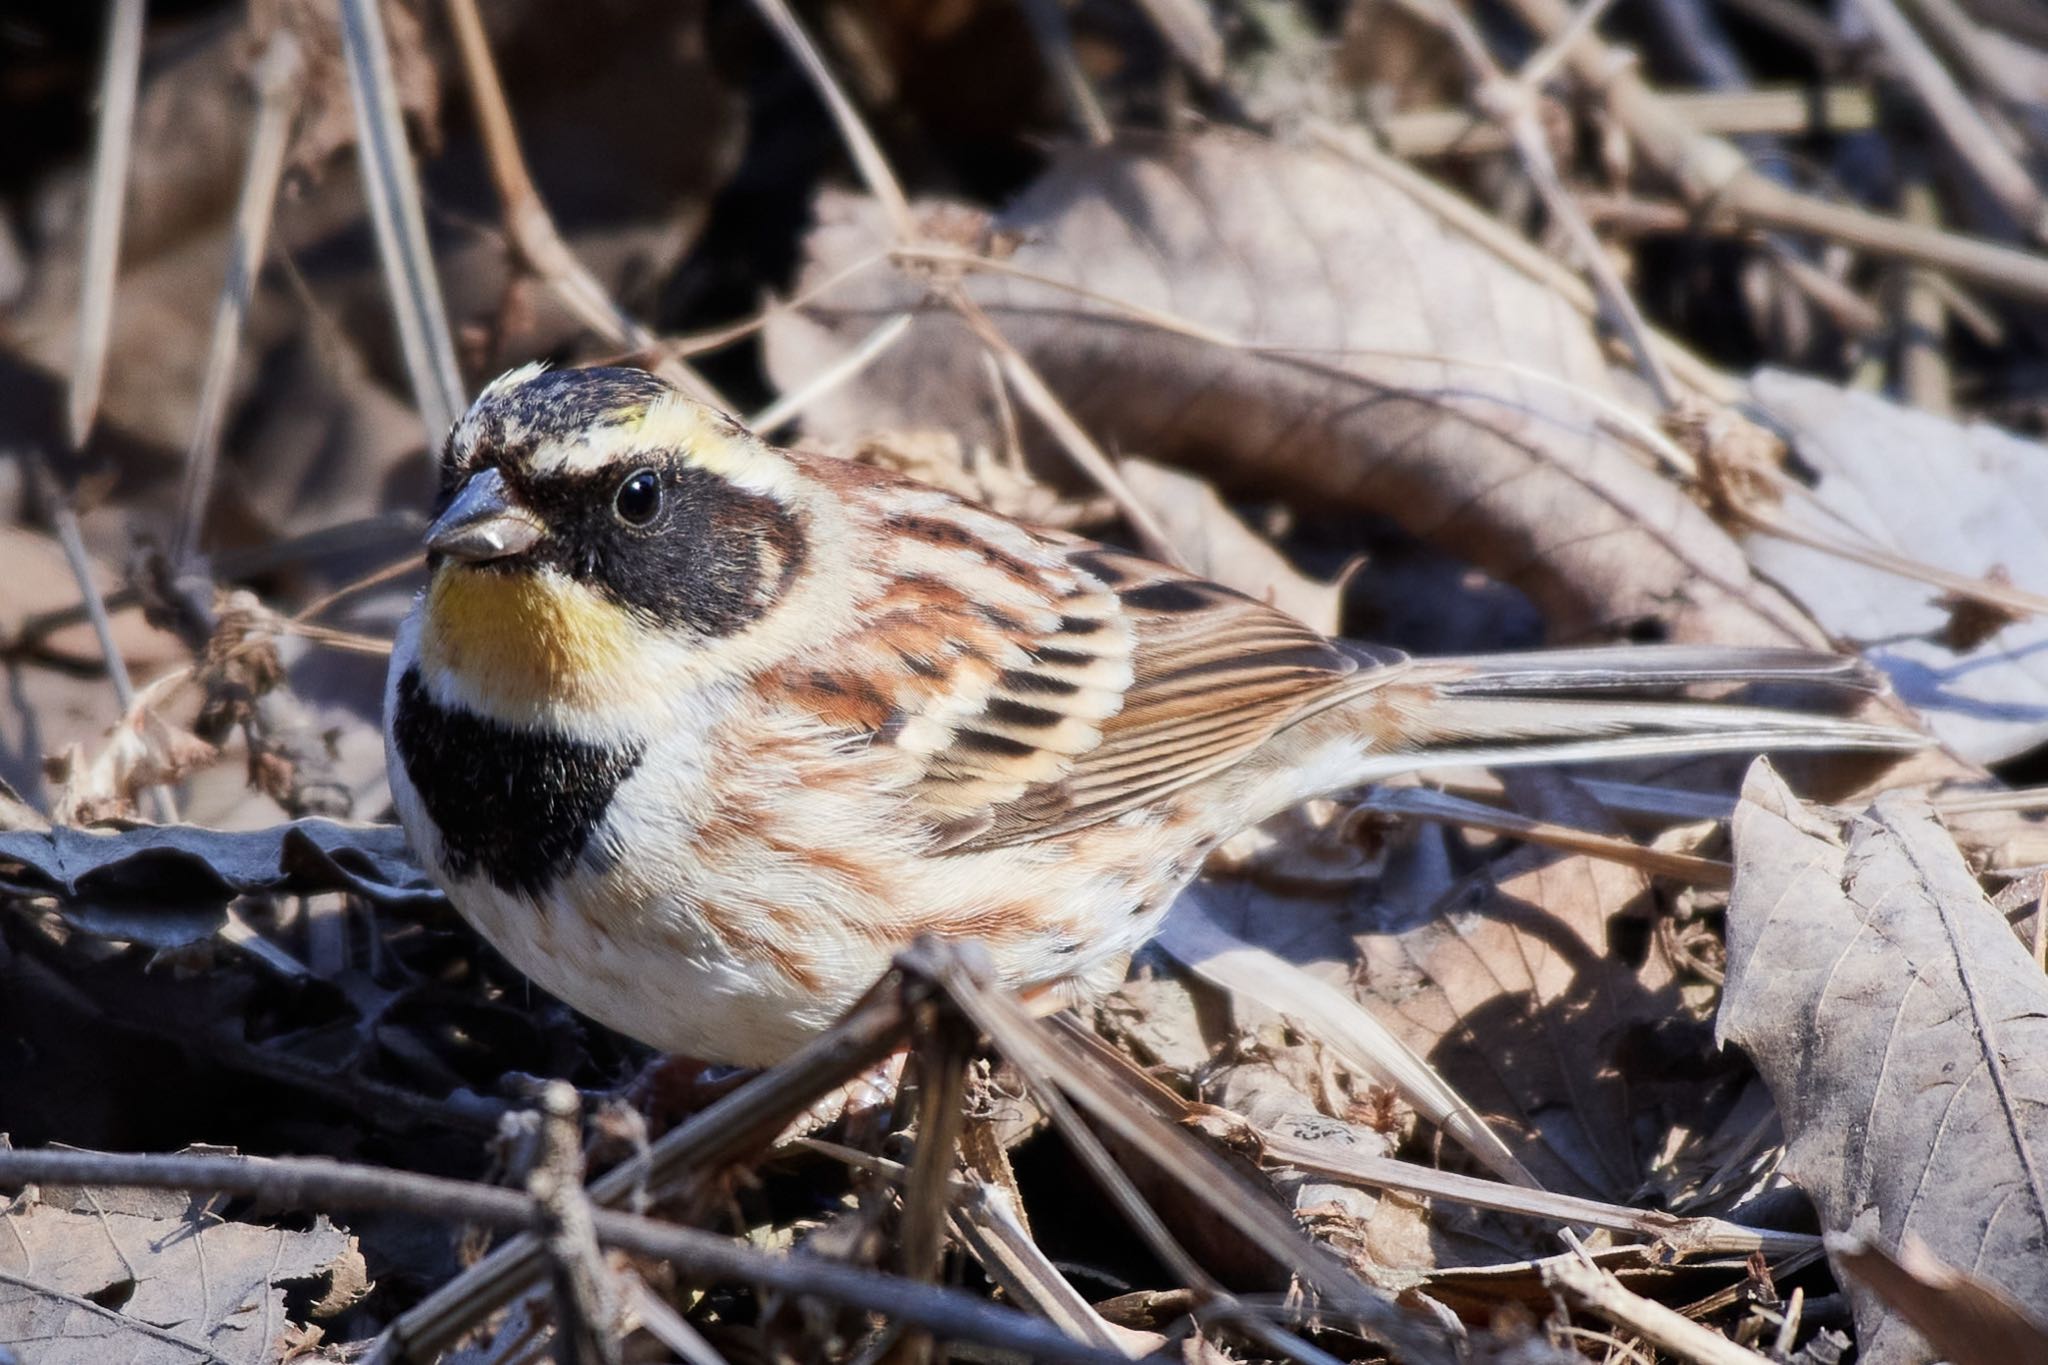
(1498, 710)
(1642, 666)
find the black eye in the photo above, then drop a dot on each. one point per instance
(638, 498)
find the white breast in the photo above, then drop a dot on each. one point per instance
(755, 874)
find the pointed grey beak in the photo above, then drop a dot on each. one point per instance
(483, 522)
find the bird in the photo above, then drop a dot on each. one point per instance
(699, 732)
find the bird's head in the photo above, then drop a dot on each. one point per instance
(598, 533)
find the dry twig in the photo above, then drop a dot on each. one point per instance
(296, 1182)
(531, 229)
(1717, 180)
(1587, 1285)
(393, 191)
(277, 100)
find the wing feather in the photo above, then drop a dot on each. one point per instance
(1214, 674)
(1032, 682)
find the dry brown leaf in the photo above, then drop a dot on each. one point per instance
(1970, 1320)
(1903, 1031)
(1370, 1229)
(185, 1285)
(1156, 1018)
(1212, 930)
(1514, 988)
(144, 870)
(1402, 369)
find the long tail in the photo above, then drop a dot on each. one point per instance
(1493, 710)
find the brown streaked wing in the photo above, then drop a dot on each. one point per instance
(1044, 682)
(999, 661)
(1215, 674)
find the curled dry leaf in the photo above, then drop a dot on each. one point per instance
(1903, 1031)
(174, 865)
(1212, 929)
(1967, 499)
(145, 749)
(1385, 1237)
(1341, 345)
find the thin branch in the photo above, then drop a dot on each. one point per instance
(1988, 61)
(529, 227)
(1543, 64)
(397, 568)
(848, 367)
(1014, 1039)
(1721, 1300)
(987, 1220)
(1189, 29)
(1716, 179)
(1586, 1284)
(277, 101)
(1194, 936)
(1055, 40)
(1421, 803)
(1687, 1236)
(717, 338)
(1922, 361)
(729, 1130)
(989, 1224)
(318, 1183)
(1418, 133)
(860, 143)
(1063, 1078)
(1965, 130)
(945, 1045)
(1512, 105)
(1763, 203)
(1624, 214)
(2003, 596)
(1626, 419)
(669, 1327)
(587, 1311)
(1464, 216)
(64, 517)
(1619, 419)
(113, 147)
(1036, 394)
(393, 191)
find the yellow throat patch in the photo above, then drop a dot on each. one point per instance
(522, 642)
